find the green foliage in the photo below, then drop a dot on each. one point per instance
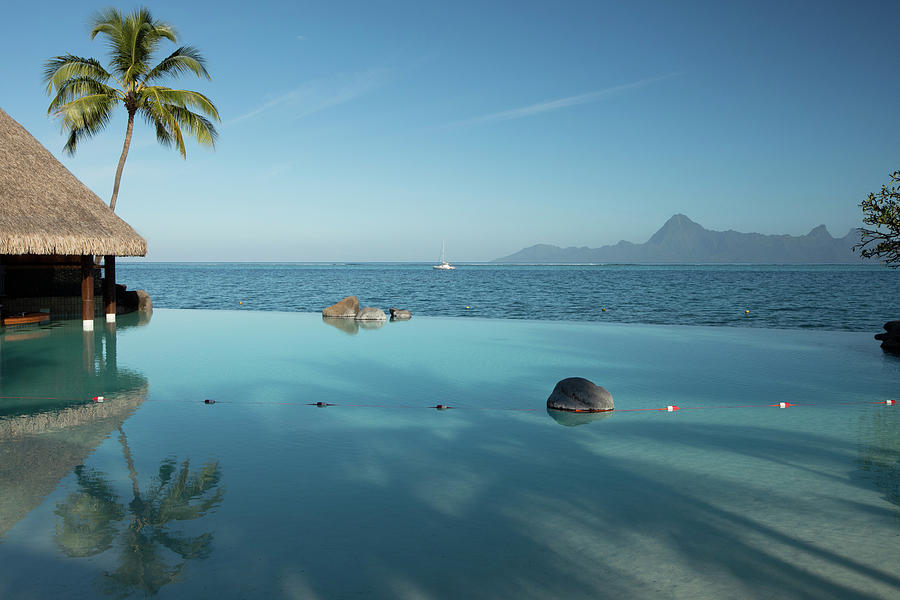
(177, 495)
(94, 519)
(881, 211)
(88, 516)
(84, 93)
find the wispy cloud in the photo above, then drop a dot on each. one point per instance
(550, 105)
(319, 94)
(301, 37)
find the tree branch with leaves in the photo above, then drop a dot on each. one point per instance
(881, 211)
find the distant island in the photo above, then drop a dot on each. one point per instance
(681, 240)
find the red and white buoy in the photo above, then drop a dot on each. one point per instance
(98, 399)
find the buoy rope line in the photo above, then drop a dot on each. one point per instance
(668, 408)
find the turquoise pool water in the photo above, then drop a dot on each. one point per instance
(155, 492)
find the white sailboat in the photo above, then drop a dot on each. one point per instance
(444, 266)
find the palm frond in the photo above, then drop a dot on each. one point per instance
(198, 126)
(184, 98)
(167, 129)
(160, 29)
(109, 22)
(185, 59)
(169, 111)
(59, 69)
(162, 134)
(132, 39)
(76, 87)
(84, 117)
(185, 546)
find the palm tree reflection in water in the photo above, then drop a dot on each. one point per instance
(89, 522)
(878, 448)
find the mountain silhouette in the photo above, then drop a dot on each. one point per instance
(681, 240)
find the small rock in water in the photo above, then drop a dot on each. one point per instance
(890, 339)
(400, 313)
(347, 308)
(579, 394)
(370, 313)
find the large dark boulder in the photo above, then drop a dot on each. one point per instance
(144, 303)
(577, 394)
(131, 301)
(890, 339)
(346, 308)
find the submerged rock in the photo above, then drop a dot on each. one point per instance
(346, 308)
(579, 394)
(890, 339)
(568, 418)
(399, 313)
(349, 326)
(370, 313)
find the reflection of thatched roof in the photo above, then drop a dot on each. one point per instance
(37, 451)
(44, 209)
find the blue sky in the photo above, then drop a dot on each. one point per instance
(373, 130)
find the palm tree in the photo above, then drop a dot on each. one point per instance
(85, 93)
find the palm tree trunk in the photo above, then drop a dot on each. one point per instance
(132, 472)
(115, 194)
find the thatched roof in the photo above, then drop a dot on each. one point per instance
(44, 209)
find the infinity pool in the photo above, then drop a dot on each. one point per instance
(155, 492)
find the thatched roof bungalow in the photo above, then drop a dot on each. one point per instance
(51, 223)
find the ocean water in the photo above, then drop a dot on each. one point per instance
(155, 493)
(832, 297)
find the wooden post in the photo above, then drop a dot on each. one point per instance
(87, 292)
(109, 288)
